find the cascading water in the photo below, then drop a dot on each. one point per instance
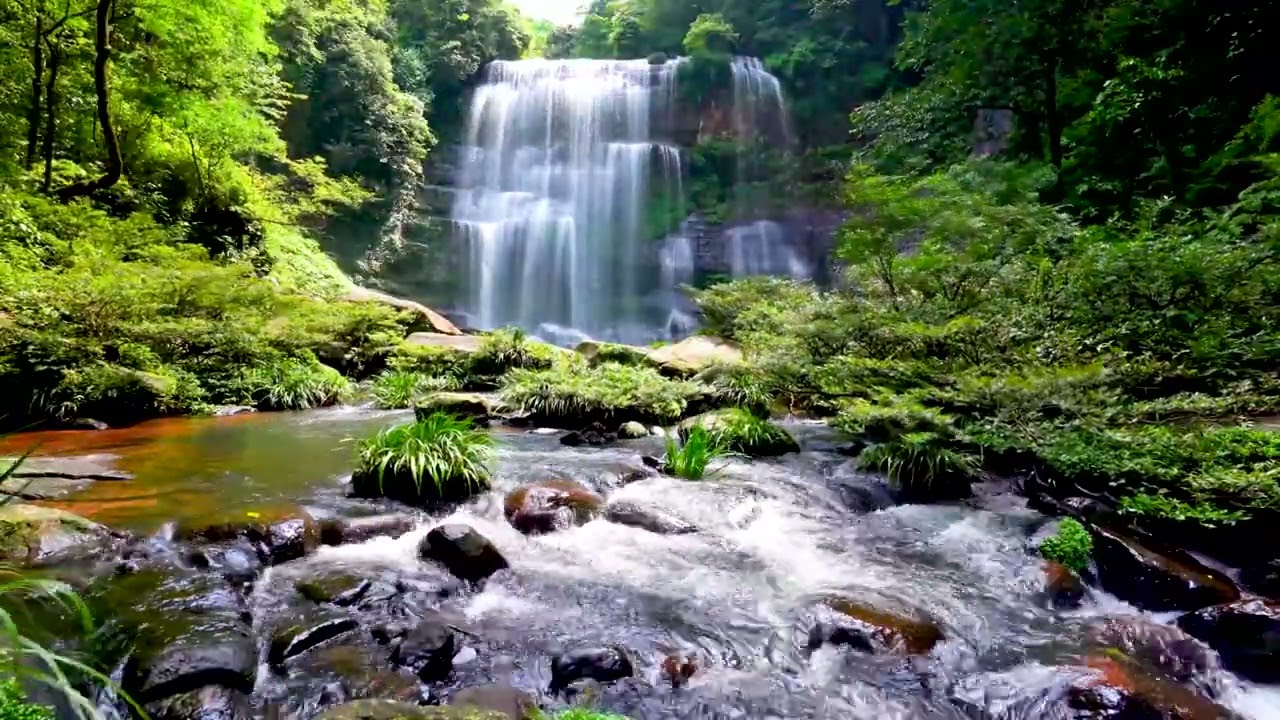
(560, 161)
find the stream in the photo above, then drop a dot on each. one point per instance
(773, 539)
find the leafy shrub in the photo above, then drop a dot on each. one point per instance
(293, 384)
(739, 385)
(1070, 546)
(509, 349)
(689, 459)
(440, 458)
(890, 416)
(573, 391)
(921, 463)
(431, 361)
(400, 389)
(14, 705)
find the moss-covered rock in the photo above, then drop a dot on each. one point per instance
(476, 406)
(424, 318)
(29, 533)
(741, 432)
(596, 353)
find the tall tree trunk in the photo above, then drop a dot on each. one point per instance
(102, 58)
(51, 112)
(37, 86)
(1053, 116)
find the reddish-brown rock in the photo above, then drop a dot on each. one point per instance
(550, 505)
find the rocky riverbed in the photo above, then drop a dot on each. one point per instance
(794, 587)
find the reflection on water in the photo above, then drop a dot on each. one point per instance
(188, 467)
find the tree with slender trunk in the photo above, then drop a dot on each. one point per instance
(101, 62)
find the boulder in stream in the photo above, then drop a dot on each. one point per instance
(211, 702)
(604, 665)
(1246, 635)
(32, 533)
(280, 533)
(427, 649)
(296, 639)
(841, 621)
(594, 435)
(655, 521)
(1116, 689)
(462, 551)
(349, 531)
(1156, 581)
(550, 505)
(479, 407)
(632, 431)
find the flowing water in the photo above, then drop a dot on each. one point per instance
(773, 537)
(563, 160)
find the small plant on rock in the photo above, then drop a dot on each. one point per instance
(690, 459)
(440, 458)
(1070, 546)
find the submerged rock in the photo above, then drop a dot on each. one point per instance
(695, 354)
(599, 664)
(1156, 581)
(427, 649)
(510, 702)
(297, 639)
(462, 551)
(282, 534)
(1063, 587)
(222, 657)
(845, 622)
(594, 435)
(550, 505)
(1245, 634)
(1159, 649)
(633, 515)
(395, 710)
(349, 531)
(207, 703)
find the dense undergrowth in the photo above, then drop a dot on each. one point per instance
(980, 327)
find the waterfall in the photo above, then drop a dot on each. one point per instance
(559, 163)
(560, 160)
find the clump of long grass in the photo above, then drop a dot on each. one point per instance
(293, 384)
(921, 462)
(438, 458)
(402, 389)
(510, 349)
(691, 458)
(745, 433)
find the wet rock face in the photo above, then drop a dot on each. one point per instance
(462, 551)
(1115, 689)
(1159, 649)
(845, 622)
(1155, 581)
(1063, 587)
(207, 703)
(550, 505)
(281, 534)
(393, 710)
(1245, 634)
(599, 664)
(427, 650)
(510, 702)
(295, 640)
(31, 533)
(633, 515)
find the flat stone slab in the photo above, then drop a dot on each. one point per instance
(47, 478)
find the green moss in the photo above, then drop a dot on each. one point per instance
(14, 705)
(1070, 546)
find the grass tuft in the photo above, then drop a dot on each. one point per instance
(293, 384)
(690, 459)
(921, 462)
(610, 392)
(439, 458)
(402, 389)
